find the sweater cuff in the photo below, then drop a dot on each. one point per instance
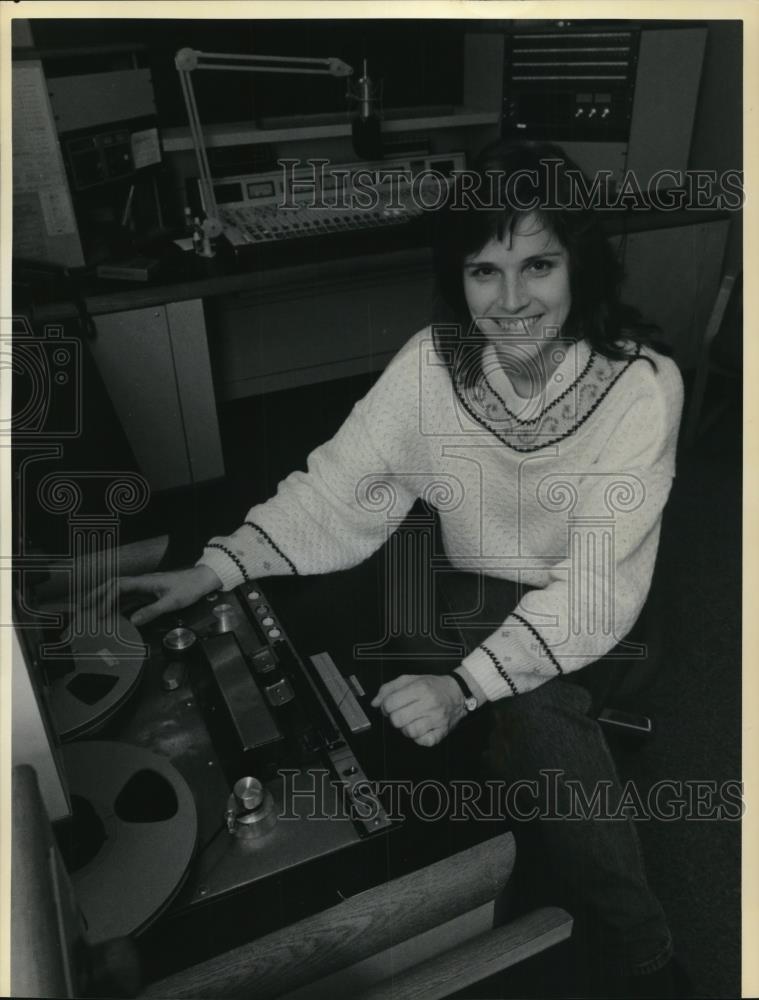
(228, 571)
(491, 673)
(246, 555)
(514, 660)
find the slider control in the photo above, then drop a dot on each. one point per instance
(341, 693)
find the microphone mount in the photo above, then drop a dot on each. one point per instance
(188, 60)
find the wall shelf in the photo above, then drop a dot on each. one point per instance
(319, 127)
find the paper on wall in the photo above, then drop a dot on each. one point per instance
(28, 237)
(44, 224)
(57, 211)
(146, 148)
(37, 157)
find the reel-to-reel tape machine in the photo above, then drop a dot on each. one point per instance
(225, 775)
(199, 757)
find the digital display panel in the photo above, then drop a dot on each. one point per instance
(261, 189)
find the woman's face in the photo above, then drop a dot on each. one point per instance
(517, 289)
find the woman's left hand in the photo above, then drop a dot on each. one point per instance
(424, 707)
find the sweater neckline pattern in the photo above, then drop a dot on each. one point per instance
(555, 402)
(559, 419)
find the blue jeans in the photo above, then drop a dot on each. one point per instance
(551, 736)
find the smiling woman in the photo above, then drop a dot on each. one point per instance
(543, 428)
(524, 204)
(517, 290)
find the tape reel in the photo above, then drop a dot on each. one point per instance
(134, 833)
(103, 679)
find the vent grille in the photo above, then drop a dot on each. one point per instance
(570, 84)
(601, 57)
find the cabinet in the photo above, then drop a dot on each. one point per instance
(156, 367)
(672, 276)
(344, 320)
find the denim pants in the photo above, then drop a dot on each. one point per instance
(551, 737)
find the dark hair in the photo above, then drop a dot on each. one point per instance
(509, 181)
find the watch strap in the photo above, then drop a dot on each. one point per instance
(465, 689)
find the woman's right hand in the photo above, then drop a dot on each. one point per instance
(172, 591)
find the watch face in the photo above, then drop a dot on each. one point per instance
(470, 704)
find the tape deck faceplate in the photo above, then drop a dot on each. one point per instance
(281, 750)
(224, 705)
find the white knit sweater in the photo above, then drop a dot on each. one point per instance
(563, 493)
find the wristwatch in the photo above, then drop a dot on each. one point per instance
(470, 702)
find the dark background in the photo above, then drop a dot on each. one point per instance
(420, 62)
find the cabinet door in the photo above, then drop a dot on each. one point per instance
(155, 365)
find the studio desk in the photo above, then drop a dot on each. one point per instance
(298, 312)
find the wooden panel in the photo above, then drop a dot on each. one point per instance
(342, 935)
(351, 982)
(672, 277)
(475, 960)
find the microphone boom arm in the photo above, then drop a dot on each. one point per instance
(188, 60)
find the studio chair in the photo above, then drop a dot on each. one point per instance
(620, 684)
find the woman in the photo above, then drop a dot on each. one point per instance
(537, 407)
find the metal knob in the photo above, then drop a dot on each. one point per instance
(226, 616)
(173, 676)
(250, 809)
(249, 794)
(179, 640)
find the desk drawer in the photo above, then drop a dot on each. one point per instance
(313, 333)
